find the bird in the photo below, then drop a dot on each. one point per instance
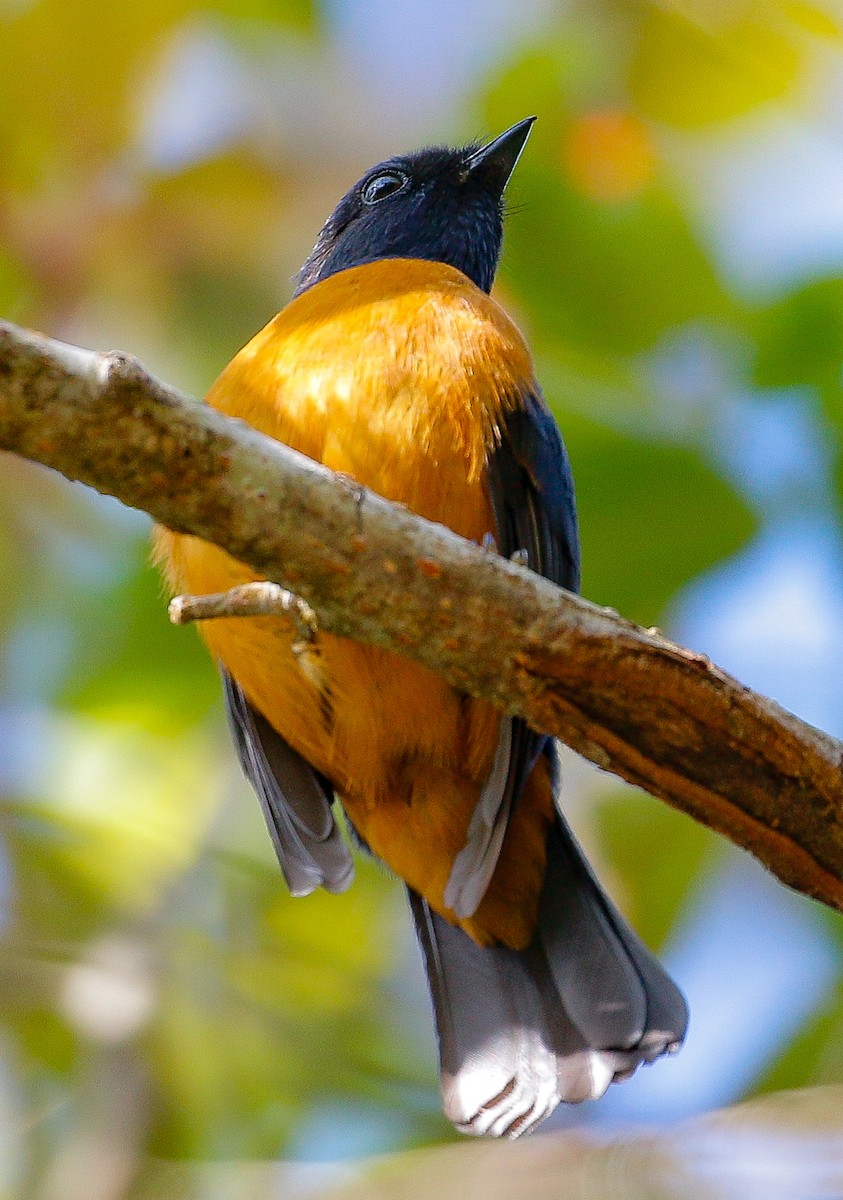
(393, 365)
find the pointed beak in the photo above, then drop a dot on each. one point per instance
(496, 162)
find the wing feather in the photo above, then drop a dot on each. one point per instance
(532, 494)
(295, 799)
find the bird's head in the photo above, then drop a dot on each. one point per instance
(438, 204)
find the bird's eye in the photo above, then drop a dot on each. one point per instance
(383, 185)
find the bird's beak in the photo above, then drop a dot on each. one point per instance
(496, 162)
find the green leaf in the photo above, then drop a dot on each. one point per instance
(611, 278)
(800, 337)
(652, 517)
(131, 663)
(814, 1056)
(676, 851)
(16, 291)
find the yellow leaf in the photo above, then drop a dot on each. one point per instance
(689, 76)
(812, 19)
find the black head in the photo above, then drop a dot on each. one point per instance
(439, 204)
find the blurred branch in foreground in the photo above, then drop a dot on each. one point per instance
(786, 1145)
(654, 713)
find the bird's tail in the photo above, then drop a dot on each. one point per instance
(520, 1031)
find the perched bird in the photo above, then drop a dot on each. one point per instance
(393, 364)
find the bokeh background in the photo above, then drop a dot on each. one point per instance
(674, 252)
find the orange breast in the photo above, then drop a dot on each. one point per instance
(397, 374)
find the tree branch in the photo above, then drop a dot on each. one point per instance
(634, 703)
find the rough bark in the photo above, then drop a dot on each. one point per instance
(630, 700)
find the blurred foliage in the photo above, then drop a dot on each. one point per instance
(163, 170)
(669, 511)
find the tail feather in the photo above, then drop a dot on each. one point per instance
(665, 1013)
(520, 1031)
(585, 953)
(497, 1062)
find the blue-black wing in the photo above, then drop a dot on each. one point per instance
(532, 493)
(295, 799)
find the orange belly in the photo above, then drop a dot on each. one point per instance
(368, 373)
